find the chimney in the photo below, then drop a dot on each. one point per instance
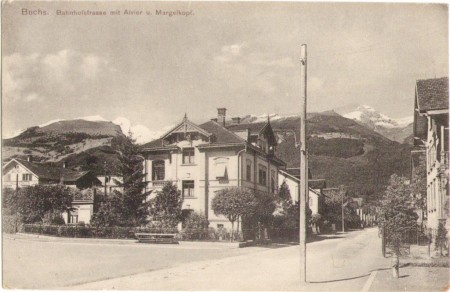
(221, 115)
(64, 164)
(29, 158)
(214, 120)
(236, 120)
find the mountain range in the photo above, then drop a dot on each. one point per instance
(341, 150)
(394, 129)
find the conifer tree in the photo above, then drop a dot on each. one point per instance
(129, 207)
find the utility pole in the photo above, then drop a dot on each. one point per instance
(106, 178)
(303, 166)
(342, 204)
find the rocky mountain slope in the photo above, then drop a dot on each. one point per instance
(394, 129)
(342, 151)
(58, 140)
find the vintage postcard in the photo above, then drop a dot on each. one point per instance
(224, 145)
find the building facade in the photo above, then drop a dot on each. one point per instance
(18, 173)
(432, 133)
(203, 159)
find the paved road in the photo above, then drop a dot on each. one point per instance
(37, 263)
(341, 263)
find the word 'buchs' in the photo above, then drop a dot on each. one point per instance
(34, 12)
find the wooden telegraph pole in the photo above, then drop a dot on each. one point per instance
(303, 166)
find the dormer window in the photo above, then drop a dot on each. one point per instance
(188, 156)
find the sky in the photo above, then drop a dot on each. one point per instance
(244, 56)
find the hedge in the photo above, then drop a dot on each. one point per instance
(87, 231)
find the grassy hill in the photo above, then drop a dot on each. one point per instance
(344, 152)
(63, 140)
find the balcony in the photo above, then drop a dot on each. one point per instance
(158, 184)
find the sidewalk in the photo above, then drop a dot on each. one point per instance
(413, 279)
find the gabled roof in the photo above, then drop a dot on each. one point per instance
(218, 136)
(254, 128)
(153, 144)
(432, 94)
(295, 171)
(221, 134)
(49, 172)
(317, 183)
(186, 126)
(312, 183)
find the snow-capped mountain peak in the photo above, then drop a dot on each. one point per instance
(369, 116)
(92, 118)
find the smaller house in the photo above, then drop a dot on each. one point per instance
(292, 179)
(19, 173)
(83, 207)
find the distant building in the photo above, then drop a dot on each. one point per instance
(19, 173)
(431, 132)
(203, 159)
(365, 213)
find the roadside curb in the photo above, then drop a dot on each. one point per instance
(120, 241)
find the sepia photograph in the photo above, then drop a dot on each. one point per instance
(225, 146)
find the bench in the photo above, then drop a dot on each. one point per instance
(156, 238)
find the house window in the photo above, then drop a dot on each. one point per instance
(272, 181)
(158, 170)
(262, 175)
(73, 219)
(249, 170)
(220, 168)
(188, 188)
(26, 177)
(188, 156)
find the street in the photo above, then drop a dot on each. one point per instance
(345, 262)
(42, 263)
(337, 262)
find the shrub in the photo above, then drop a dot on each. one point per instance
(9, 223)
(441, 238)
(222, 234)
(195, 227)
(54, 219)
